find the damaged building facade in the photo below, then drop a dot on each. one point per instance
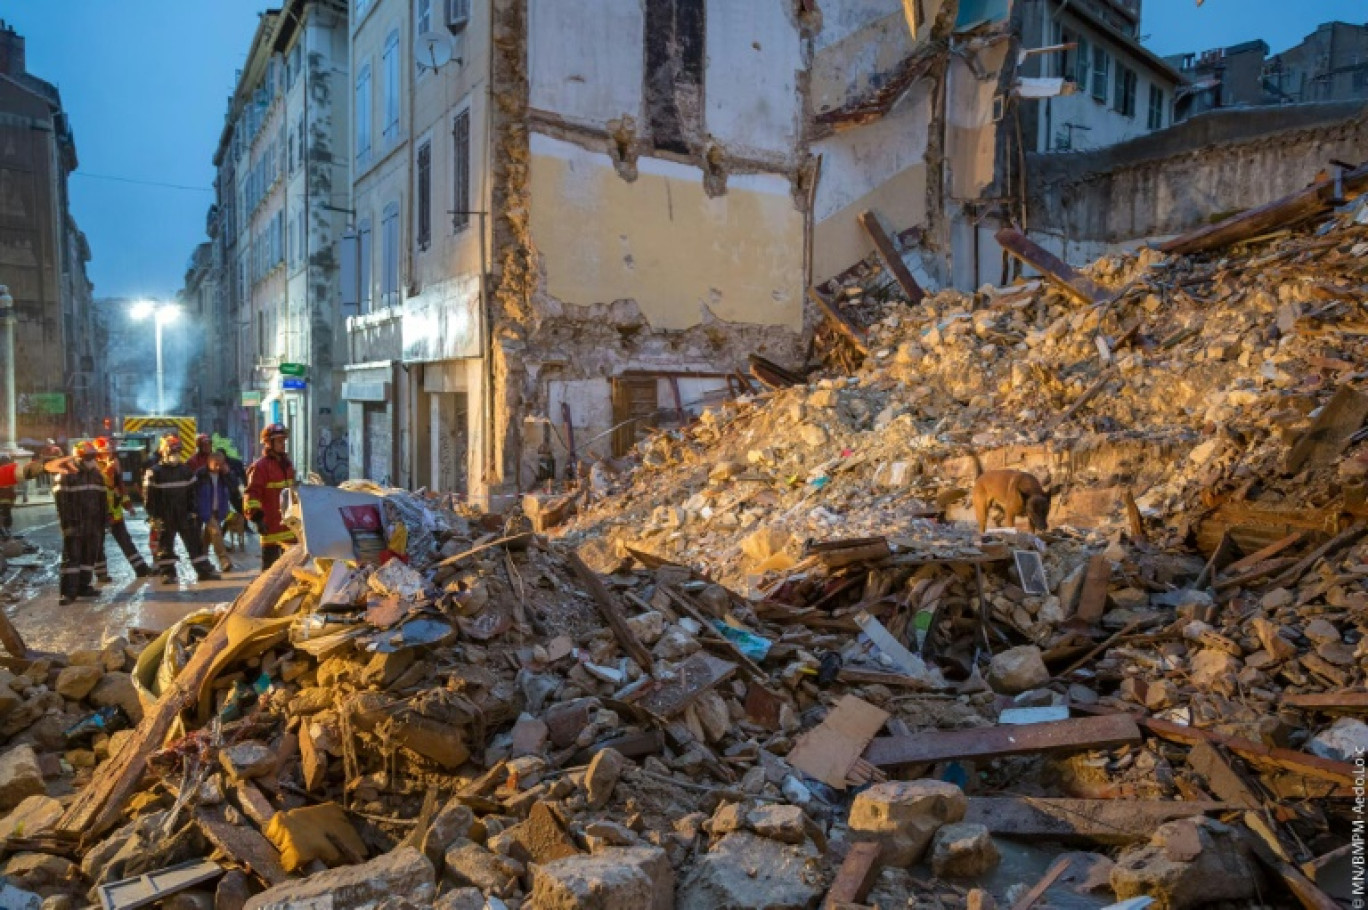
(570, 226)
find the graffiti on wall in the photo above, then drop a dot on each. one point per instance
(332, 456)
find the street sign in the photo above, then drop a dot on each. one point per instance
(293, 369)
(49, 402)
(293, 385)
(251, 398)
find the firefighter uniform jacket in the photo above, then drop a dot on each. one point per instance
(80, 497)
(115, 494)
(267, 478)
(170, 492)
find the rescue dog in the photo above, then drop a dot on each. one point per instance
(1017, 493)
(235, 532)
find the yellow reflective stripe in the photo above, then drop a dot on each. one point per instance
(251, 504)
(279, 537)
(279, 484)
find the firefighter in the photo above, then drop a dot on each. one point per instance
(118, 503)
(170, 501)
(267, 478)
(217, 497)
(79, 492)
(203, 449)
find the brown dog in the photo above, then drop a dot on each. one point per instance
(1017, 492)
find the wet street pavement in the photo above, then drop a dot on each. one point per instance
(126, 601)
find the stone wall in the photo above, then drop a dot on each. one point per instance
(1169, 182)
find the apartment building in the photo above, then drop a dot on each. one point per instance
(283, 184)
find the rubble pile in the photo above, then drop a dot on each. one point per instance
(770, 670)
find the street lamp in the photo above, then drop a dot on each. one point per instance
(8, 443)
(161, 314)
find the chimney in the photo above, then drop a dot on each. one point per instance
(12, 62)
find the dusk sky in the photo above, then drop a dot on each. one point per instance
(146, 82)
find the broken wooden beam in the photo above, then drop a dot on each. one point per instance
(1281, 213)
(99, 805)
(1329, 434)
(1257, 753)
(1329, 702)
(1077, 733)
(839, 322)
(1253, 559)
(1221, 777)
(1092, 601)
(1341, 540)
(856, 876)
(11, 639)
(1058, 272)
(610, 612)
(1052, 874)
(1114, 822)
(772, 375)
(891, 259)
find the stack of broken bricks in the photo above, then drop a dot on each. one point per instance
(872, 706)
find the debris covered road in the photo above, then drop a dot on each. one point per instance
(773, 664)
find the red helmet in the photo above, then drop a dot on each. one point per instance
(202, 438)
(83, 450)
(170, 445)
(272, 430)
(104, 446)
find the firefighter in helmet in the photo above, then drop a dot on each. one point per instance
(268, 477)
(79, 492)
(118, 502)
(169, 489)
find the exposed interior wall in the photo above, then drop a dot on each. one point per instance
(598, 76)
(1174, 181)
(860, 42)
(684, 256)
(880, 167)
(753, 103)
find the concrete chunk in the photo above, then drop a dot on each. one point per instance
(963, 850)
(904, 815)
(362, 887)
(624, 878)
(748, 872)
(20, 777)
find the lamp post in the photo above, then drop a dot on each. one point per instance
(8, 440)
(161, 314)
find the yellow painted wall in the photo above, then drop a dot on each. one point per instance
(661, 241)
(838, 241)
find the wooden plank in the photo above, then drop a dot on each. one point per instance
(245, 844)
(1259, 754)
(1302, 888)
(856, 876)
(1333, 545)
(1098, 732)
(1056, 271)
(1258, 573)
(11, 639)
(99, 805)
(1052, 874)
(1341, 417)
(1253, 559)
(839, 322)
(1137, 523)
(827, 751)
(141, 890)
(1329, 702)
(888, 255)
(1284, 212)
(1221, 778)
(609, 611)
(1114, 822)
(1092, 601)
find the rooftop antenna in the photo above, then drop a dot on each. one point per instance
(433, 50)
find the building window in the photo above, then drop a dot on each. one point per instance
(363, 115)
(391, 65)
(296, 64)
(457, 14)
(363, 258)
(1082, 64)
(389, 249)
(1124, 102)
(423, 16)
(1156, 108)
(424, 195)
(361, 7)
(1101, 70)
(460, 172)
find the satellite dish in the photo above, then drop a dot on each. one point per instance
(433, 50)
